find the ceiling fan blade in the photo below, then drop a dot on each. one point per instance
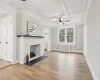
(66, 20)
(55, 19)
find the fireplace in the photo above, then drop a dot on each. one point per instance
(34, 51)
(26, 45)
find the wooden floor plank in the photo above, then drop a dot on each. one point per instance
(57, 66)
(4, 64)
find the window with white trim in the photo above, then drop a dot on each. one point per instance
(66, 35)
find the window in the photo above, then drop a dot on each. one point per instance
(62, 35)
(66, 35)
(70, 35)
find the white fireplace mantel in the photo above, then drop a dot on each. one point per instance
(24, 44)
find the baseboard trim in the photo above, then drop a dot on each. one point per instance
(17, 61)
(66, 51)
(91, 69)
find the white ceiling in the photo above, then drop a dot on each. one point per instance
(47, 9)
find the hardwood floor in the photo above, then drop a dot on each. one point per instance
(4, 64)
(57, 66)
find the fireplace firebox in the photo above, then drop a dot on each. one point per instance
(32, 54)
(34, 51)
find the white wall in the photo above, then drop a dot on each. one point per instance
(46, 32)
(93, 37)
(26, 18)
(21, 23)
(18, 23)
(21, 26)
(77, 47)
(47, 35)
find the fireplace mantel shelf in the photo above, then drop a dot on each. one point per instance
(30, 36)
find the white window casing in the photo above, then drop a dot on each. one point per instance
(65, 35)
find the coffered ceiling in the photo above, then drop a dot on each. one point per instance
(47, 9)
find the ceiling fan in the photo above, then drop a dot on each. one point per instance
(61, 20)
(63, 17)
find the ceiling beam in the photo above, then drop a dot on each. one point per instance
(63, 5)
(76, 12)
(7, 7)
(7, 1)
(1, 14)
(14, 1)
(38, 8)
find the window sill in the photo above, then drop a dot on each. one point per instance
(67, 43)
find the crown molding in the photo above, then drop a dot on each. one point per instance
(87, 9)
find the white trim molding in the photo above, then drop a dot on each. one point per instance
(74, 35)
(87, 9)
(91, 69)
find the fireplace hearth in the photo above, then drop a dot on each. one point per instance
(32, 62)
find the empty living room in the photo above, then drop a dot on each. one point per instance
(49, 39)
